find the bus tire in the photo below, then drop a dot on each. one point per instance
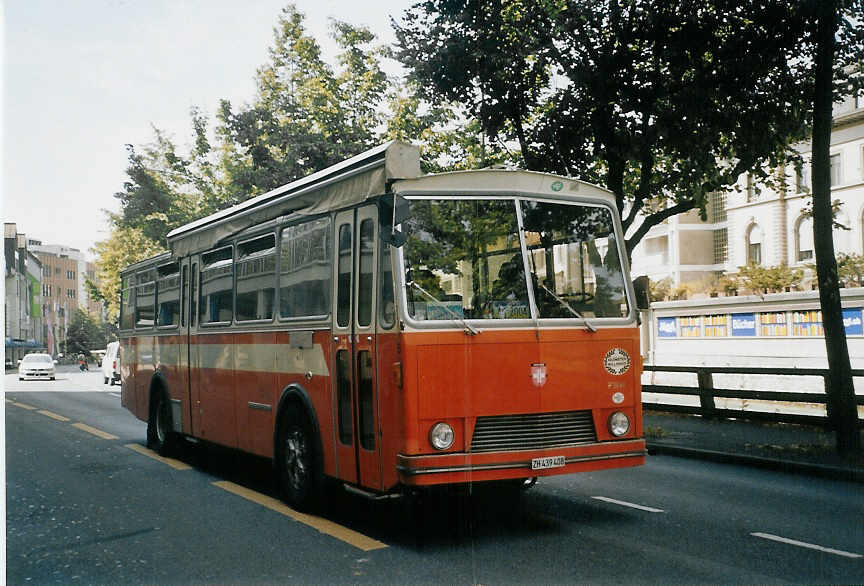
(160, 429)
(298, 464)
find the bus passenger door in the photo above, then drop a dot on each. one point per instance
(358, 452)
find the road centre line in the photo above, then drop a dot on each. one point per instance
(806, 545)
(345, 534)
(176, 464)
(53, 415)
(94, 431)
(606, 499)
(24, 406)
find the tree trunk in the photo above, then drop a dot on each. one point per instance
(842, 410)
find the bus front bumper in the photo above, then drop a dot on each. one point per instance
(460, 467)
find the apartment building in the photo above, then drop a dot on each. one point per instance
(64, 271)
(754, 223)
(22, 304)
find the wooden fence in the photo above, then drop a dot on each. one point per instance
(707, 394)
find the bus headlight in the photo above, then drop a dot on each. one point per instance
(441, 436)
(619, 424)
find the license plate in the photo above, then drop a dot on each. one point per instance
(548, 462)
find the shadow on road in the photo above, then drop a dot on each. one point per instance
(438, 518)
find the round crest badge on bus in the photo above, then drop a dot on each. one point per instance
(616, 361)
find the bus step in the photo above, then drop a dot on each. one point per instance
(372, 496)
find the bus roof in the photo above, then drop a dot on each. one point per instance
(351, 181)
(486, 182)
(393, 166)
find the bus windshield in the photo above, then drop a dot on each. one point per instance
(464, 259)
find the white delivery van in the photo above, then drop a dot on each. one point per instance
(111, 364)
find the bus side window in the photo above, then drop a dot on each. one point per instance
(217, 286)
(386, 302)
(193, 299)
(343, 293)
(184, 295)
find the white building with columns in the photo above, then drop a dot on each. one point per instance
(759, 224)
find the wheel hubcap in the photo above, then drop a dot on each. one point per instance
(295, 458)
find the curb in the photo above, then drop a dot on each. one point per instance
(822, 471)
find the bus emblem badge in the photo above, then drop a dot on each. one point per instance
(616, 361)
(538, 374)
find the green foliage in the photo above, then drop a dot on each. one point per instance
(84, 334)
(758, 279)
(850, 269)
(643, 96)
(123, 247)
(660, 290)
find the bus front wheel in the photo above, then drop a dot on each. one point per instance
(297, 466)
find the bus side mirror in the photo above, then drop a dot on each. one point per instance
(392, 210)
(641, 287)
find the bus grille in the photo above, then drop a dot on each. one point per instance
(534, 431)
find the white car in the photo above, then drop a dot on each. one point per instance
(111, 364)
(37, 367)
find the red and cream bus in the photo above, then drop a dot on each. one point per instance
(391, 330)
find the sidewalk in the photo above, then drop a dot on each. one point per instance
(791, 448)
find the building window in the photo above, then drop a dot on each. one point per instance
(804, 240)
(70, 293)
(721, 246)
(754, 245)
(835, 170)
(56, 270)
(717, 208)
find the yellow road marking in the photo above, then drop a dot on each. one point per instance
(176, 464)
(25, 406)
(53, 415)
(349, 536)
(94, 431)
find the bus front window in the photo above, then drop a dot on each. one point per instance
(463, 261)
(574, 261)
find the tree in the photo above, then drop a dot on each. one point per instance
(306, 115)
(842, 409)
(123, 247)
(850, 269)
(661, 102)
(758, 279)
(83, 334)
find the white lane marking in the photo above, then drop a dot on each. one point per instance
(606, 499)
(807, 545)
(115, 395)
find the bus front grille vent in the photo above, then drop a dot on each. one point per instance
(531, 432)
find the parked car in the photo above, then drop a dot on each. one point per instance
(111, 364)
(37, 367)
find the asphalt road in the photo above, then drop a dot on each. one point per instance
(86, 503)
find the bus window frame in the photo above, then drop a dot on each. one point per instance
(139, 283)
(158, 278)
(131, 276)
(201, 269)
(236, 260)
(489, 324)
(320, 318)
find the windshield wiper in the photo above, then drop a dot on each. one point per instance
(469, 329)
(590, 327)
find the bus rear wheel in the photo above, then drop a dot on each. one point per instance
(297, 466)
(160, 432)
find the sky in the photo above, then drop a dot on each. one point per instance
(82, 79)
